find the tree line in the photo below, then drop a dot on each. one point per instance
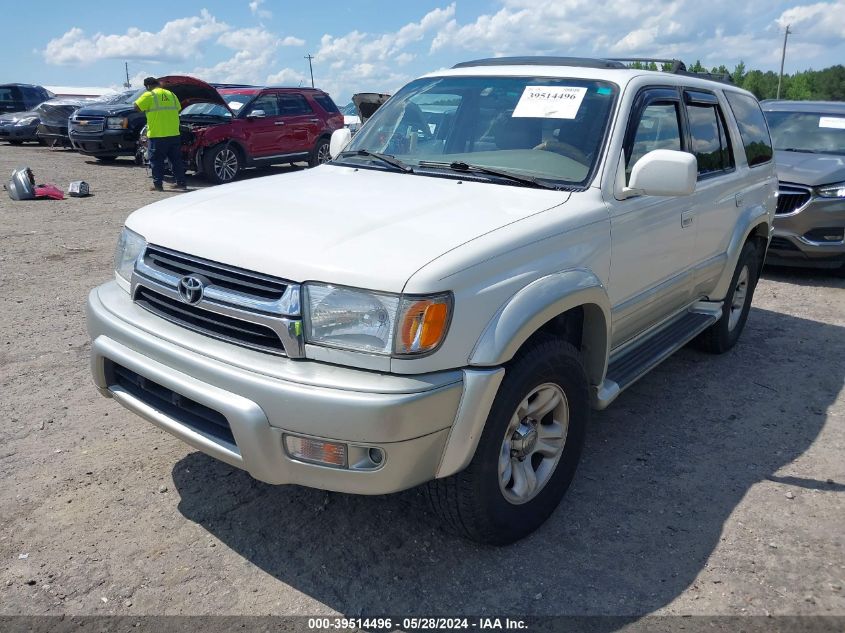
(827, 84)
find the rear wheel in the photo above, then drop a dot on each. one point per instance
(221, 164)
(528, 452)
(320, 154)
(723, 335)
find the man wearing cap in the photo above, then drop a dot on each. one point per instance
(162, 109)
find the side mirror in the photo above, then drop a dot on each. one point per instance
(340, 139)
(663, 172)
(256, 114)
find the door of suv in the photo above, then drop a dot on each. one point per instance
(265, 136)
(302, 122)
(652, 236)
(718, 193)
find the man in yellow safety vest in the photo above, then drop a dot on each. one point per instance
(162, 109)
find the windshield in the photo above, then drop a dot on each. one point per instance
(129, 96)
(207, 109)
(808, 131)
(539, 127)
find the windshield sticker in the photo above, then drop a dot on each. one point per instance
(550, 102)
(832, 121)
(235, 105)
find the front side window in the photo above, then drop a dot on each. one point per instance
(709, 140)
(268, 103)
(537, 127)
(659, 127)
(812, 132)
(752, 128)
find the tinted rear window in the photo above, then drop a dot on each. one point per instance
(326, 103)
(293, 105)
(752, 128)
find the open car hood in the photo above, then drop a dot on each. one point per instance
(192, 90)
(367, 103)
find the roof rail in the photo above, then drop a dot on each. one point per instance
(582, 62)
(679, 68)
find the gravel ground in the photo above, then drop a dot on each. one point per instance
(716, 485)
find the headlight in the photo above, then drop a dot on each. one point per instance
(117, 123)
(130, 245)
(27, 120)
(836, 190)
(374, 322)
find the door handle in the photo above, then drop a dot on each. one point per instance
(687, 219)
(279, 123)
(314, 120)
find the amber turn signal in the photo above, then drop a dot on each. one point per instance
(422, 324)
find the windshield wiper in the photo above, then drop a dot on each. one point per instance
(499, 173)
(385, 158)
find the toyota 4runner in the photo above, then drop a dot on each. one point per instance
(502, 247)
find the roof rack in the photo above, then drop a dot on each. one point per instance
(678, 68)
(580, 62)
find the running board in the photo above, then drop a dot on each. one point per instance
(644, 356)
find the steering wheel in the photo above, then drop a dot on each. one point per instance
(565, 149)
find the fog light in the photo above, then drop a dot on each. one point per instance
(317, 451)
(376, 456)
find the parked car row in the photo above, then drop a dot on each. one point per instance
(225, 128)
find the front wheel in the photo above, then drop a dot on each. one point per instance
(320, 154)
(724, 333)
(528, 452)
(221, 164)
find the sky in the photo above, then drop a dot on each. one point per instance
(378, 45)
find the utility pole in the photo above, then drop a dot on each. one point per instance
(126, 83)
(786, 34)
(309, 57)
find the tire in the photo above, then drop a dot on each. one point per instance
(106, 159)
(724, 333)
(15, 142)
(320, 153)
(221, 164)
(491, 501)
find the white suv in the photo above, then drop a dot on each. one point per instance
(502, 247)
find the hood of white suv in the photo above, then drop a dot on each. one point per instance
(356, 227)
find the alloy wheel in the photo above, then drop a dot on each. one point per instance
(740, 296)
(226, 164)
(533, 443)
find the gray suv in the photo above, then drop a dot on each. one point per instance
(809, 141)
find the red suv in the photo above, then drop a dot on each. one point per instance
(227, 129)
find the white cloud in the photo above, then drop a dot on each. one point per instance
(721, 31)
(288, 77)
(256, 10)
(290, 40)
(178, 40)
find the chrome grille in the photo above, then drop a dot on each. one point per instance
(237, 306)
(85, 124)
(791, 198)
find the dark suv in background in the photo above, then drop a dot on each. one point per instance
(809, 142)
(21, 97)
(108, 128)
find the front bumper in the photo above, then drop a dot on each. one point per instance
(105, 143)
(800, 237)
(18, 132)
(426, 425)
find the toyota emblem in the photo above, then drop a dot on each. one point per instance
(191, 289)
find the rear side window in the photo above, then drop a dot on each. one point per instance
(710, 143)
(326, 103)
(293, 105)
(752, 128)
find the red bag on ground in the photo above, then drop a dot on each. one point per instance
(49, 191)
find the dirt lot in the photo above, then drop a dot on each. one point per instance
(716, 485)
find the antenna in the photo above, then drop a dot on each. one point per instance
(309, 57)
